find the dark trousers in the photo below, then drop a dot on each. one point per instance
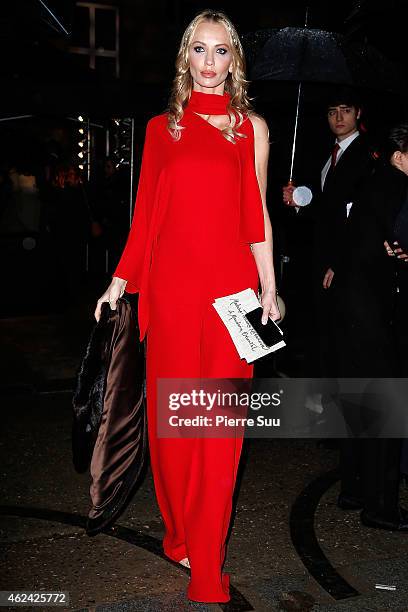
(401, 322)
(363, 348)
(401, 340)
(370, 470)
(316, 321)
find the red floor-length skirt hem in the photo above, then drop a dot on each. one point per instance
(222, 596)
(194, 477)
(197, 595)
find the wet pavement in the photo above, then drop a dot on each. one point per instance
(290, 548)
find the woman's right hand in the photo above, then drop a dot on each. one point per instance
(111, 295)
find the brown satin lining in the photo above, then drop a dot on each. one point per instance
(120, 443)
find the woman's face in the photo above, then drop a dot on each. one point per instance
(210, 57)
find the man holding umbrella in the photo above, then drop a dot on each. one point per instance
(343, 179)
(343, 176)
(313, 58)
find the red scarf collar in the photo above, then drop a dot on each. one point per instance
(208, 103)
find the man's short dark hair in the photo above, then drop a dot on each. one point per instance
(346, 96)
(398, 139)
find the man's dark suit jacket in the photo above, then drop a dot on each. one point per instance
(317, 232)
(344, 184)
(319, 227)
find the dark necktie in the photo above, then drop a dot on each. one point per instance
(335, 151)
(332, 166)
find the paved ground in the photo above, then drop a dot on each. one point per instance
(290, 549)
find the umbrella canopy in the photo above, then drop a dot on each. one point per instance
(317, 56)
(312, 55)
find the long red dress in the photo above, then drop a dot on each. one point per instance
(198, 208)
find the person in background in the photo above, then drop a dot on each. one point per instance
(364, 347)
(397, 243)
(23, 213)
(345, 171)
(397, 247)
(70, 222)
(109, 195)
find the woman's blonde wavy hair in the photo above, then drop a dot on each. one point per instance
(235, 84)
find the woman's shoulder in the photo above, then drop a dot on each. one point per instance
(157, 121)
(259, 126)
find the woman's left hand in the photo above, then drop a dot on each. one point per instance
(270, 306)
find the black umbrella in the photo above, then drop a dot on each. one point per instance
(313, 55)
(305, 54)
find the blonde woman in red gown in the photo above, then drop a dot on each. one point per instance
(200, 231)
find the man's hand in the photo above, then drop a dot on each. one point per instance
(328, 277)
(287, 193)
(396, 250)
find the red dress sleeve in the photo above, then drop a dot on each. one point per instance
(130, 265)
(252, 222)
